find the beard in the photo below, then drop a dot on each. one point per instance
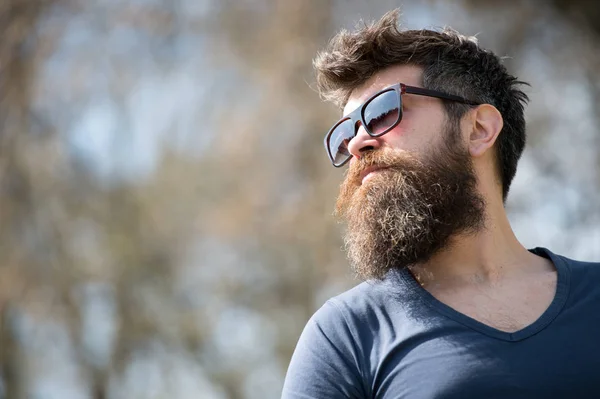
(409, 211)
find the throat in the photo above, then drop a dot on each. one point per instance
(508, 305)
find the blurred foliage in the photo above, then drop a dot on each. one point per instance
(193, 274)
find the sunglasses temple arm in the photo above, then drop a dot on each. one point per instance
(437, 94)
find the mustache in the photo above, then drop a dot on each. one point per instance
(382, 158)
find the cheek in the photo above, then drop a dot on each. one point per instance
(416, 132)
(430, 125)
(402, 138)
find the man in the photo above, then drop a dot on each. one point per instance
(453, 306)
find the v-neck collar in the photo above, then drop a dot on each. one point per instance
(560, 297)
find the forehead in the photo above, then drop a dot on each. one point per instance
(410, 75)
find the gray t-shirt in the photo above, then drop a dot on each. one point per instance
(392, 339)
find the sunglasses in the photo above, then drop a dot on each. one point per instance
(378, 115)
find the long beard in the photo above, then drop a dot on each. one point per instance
(408, 212)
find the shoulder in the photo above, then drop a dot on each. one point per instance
(582, 278)
(364, 305)
(328, 360)
(342, 317)
(362, 297)
(573, 265)
(345, 315)
(361, 317)
(348, 320)
(578, 267)
(332, 356)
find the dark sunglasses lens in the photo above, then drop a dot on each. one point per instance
(382, 112)
(338, 142)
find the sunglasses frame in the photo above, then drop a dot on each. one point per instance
(399, 88)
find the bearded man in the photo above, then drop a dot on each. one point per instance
(453, 306)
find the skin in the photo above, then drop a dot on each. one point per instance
(489, 276)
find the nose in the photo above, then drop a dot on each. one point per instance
(362, 142)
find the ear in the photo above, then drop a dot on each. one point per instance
(487, 123)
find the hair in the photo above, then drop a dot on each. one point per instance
(451, 62)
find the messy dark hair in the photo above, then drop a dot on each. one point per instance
(451, 62)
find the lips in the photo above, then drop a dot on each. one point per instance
(367, 171)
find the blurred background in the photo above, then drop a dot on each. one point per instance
(166, 222)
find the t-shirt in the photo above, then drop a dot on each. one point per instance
(393, 339)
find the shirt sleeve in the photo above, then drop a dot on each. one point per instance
(325, 363)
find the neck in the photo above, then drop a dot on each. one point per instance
(489, 256)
